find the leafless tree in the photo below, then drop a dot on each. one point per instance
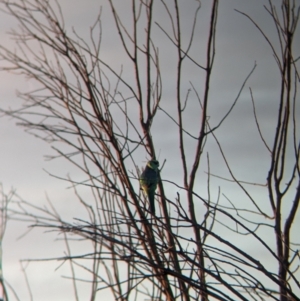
(100, 119)
(3, 222)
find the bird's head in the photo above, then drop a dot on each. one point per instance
(153, 164)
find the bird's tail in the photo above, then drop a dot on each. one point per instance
(152, 202)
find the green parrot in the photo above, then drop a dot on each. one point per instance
(148, 180)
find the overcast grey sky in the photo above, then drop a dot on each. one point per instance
(239, 46)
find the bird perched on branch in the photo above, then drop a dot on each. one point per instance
(148, 180)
